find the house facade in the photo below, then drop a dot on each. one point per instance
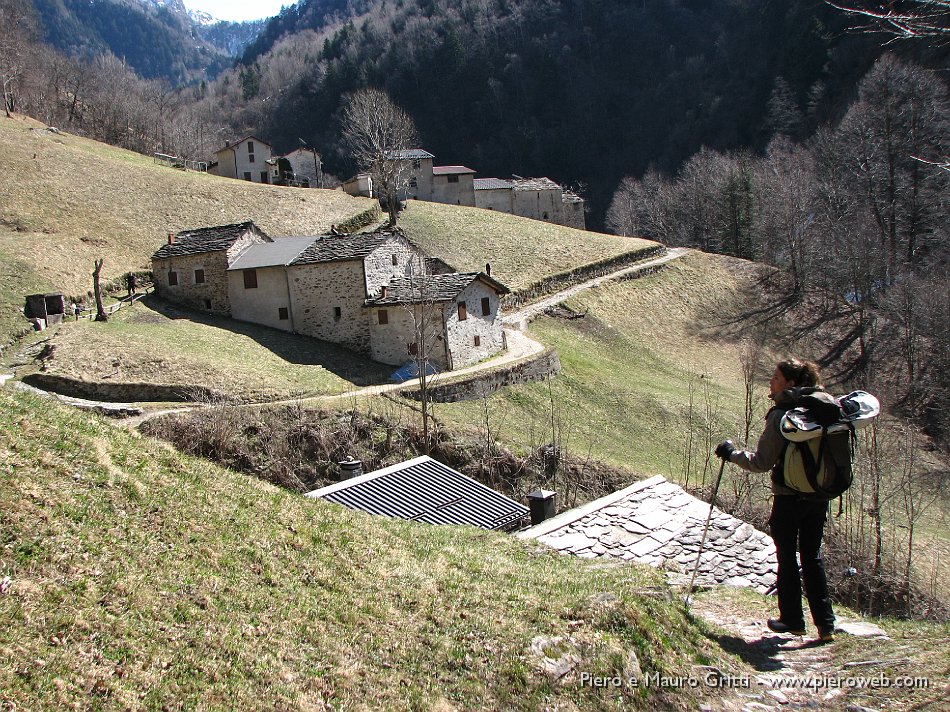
(306, 164)
(535, 198)
(452, 320)
(453, 185)
(191, 268)
(249, 159)
(333, 287)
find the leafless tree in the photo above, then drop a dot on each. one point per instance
(903, 20)
(19, 26)
(97, 290)
(378, 132)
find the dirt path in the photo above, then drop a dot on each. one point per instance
(519, 348)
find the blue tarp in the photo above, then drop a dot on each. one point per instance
(410, 370)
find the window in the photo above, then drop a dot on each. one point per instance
(395, 260)
(383, 316)
(282, 313)
(414, 349)
(250, 148)
(265, 177)
(250, 279)
(172, 279)
(463, 314)
(208, 304)
(337, 313)
(416, 163)
(199, 276)
(250, 158)
(486, 306)
(478, 340)
(413, 183)
(247, 175)
(453, 178)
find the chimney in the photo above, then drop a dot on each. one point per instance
(171, 238)
(384, 292)
(350, 468)
(488, 268)
(541, 504)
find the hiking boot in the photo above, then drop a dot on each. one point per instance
(777, 626)
(826, 635)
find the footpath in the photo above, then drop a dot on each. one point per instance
(520, 347)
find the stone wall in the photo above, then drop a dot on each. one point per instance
(380, 268)
(390, 341)
(461, 192)
(210, 296)
(537, 204)
(480, 385)
(318, 290)
(123, 392)
(499, 199)
(487, 329)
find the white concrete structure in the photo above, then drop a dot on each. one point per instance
(247, 160)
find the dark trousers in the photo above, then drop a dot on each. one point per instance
(797, 524)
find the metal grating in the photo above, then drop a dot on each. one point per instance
(425, 490)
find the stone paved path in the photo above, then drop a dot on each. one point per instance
(658, 523)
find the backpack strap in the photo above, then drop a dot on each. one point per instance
(813, 467)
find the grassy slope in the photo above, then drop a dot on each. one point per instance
(65, 188)
(631, 368)
(140, 578)
(520, 251)
(246, 361)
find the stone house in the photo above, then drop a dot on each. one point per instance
(306, 164)
(451, 319)
(192, 268)
(536, 198)
(419, 165)
(453, 185)
(329, 287)
(360, 185)
(248, 159)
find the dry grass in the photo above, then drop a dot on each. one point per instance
(520, 251)
(139, 578)
(152, 342)
(66, 201)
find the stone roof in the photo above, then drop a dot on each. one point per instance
(331, 248)
(411, 153)
(571, 197)
(431, 288)
(206, 239)
(425, 490)
(492, 184)
(282, 251)
(450, 170)
(230, 146)
(534, 184)
(658, 523)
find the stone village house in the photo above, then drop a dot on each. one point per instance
(367, 291)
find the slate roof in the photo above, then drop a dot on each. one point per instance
(431, 288)
(492, 184)
(411, 153)
(205, 239)
(425, 490)
(331, 248)
(658, 523)
(450, 170)
(535, 184)
(278, 253)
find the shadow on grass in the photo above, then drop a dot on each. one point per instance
(293, 348)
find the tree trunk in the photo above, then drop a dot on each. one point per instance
(97, 288)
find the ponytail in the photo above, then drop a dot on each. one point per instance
(805, 374)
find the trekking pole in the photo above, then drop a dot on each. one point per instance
(702, 542)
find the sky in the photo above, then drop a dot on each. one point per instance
(238, 10)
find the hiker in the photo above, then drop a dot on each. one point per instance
(131, 283)
(77, 309)
(796, 522)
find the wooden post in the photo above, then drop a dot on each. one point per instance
(97, 288)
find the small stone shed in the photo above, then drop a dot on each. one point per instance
(658, 523)
(454, 318)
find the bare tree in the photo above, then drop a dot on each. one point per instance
(19, 27)
(378, 133)
(97, 290)
(907, 20)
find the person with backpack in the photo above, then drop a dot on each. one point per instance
(797, 521)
